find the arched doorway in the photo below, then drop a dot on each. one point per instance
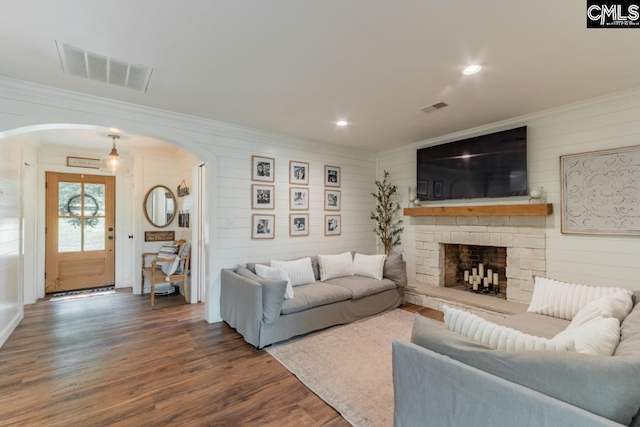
(22, 125)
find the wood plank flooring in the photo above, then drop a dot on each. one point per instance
(112, 361)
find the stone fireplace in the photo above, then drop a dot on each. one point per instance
(521, 240)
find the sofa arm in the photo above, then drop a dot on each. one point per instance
(432, 389)
(241, 305)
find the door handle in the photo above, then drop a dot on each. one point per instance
(110, 237)
(110, 228)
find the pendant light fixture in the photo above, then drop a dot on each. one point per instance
(112, 163)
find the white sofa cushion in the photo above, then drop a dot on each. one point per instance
(332, 266)
(369, 265)
(497, 336)
(267, 272)
(598, 336)
(300, 271)
(617, 305)
(564, 300)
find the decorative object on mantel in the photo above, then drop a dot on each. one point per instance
(388, 227)
(159, 236)
(183, 190)
(601, 192)
(482, 210)
(82, 162)
(412, 195)
(536, 195)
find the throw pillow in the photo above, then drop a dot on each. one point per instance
(275, 273)
(617, 305)
(166, 252)
(497, 336)
(332, 266)
(395, 269)
(170, 267)
(368, 265)
(597, 336)
(300, 272)
(184, 251)
(564, 300)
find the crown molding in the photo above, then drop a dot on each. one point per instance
(90, 104)
(613, 98)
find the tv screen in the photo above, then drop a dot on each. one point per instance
(493, 165)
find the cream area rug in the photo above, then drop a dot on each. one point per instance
(349, 366)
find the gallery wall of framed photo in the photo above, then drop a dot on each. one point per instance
(263, 198)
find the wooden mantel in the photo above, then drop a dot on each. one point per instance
(482, 210)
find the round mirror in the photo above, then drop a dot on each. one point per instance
(159, 206)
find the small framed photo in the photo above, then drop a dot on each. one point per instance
(298, 225)
(332, 225)
(298, 198)
(332, 200)
(331, 176)
(298, 173)
(262, 168)
(263, 226)
(437, 189)
(262, 196)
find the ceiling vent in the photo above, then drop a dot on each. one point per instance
(93, 66)
(434, 107)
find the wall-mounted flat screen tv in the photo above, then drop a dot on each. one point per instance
(493, 165)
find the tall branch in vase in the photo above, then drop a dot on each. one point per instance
(387, 225)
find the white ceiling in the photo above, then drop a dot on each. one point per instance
(296, 67)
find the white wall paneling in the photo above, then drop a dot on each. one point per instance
(11, 291)
(602, 123)
(227, 149)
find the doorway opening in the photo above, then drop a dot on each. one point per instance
(79, 233)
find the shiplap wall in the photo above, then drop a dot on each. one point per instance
(604, 123)
(228, 148)
(11, 310)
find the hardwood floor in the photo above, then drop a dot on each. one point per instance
(112, 361)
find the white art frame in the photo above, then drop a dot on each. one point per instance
(332, 176)
(332, 225)
(332, 200)
(298, 224)
(263, 196)
(599, 191)
(298, 173)
(298, 198)
(263, 169)
(263, 227)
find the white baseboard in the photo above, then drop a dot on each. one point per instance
(8, 330)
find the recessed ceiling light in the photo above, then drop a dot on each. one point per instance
(471, 69)
(342, 123)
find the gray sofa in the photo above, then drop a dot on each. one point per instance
(256, 307)
(441, 378)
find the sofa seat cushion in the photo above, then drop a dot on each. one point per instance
(535, 324)
(359, 286)
(314, 295)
